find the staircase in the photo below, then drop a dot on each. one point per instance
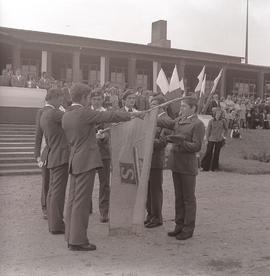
(17, 144)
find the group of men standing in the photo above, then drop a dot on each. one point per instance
(78, 145)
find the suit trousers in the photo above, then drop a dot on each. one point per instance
(56, 197)
(155, 196)
(185, 201)
(45, 174)
(104, 187)
(211, 157)
(78, 206)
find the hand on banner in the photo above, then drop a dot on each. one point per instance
(39, 162)
(138, 114)
(100, 135)
(176, 139)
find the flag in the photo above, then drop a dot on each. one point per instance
(200, 78)
(216, 80)
(182, 86)
(174, 83)
(132, 148)
(202, 92)
(162, 82)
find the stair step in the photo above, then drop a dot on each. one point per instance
(10, 160)
(15, 132)
(16, 144)
(17, 140)
(18, 166)
(17, 149)
(16, 154)
(20, 172)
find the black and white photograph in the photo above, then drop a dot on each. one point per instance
(135, 138)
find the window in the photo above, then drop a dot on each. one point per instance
(267, 89)
(118, 76)
(244, 87)
(142, 79)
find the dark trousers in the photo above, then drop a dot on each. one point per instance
(155, 195)
(211, 156)
(104, 188)
(56, 197)
(185, 201)
(78, 205)
(45, 174)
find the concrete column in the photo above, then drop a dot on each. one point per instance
(49, 63)
(104, 70)
(131, 72)
(44, 61)
(260, 84)
(223, 82)
(16, 57)
(156, 69)
(76, 66)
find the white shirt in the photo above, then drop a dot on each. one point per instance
(133, 109)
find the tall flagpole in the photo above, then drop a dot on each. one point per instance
(246, 50)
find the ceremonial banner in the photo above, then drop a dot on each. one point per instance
(132, 147)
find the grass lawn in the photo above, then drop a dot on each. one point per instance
(242, 156)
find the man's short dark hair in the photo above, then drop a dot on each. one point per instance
(78, 91)
(53, 93)
(191, 101)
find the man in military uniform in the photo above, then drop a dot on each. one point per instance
(187, 141)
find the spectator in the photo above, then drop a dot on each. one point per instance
(5, 78)
(213, 104)
(45, 82)
(216, 133)
(18, 80)
(141, 101)
(31, 83)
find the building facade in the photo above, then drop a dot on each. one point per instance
(72, 58)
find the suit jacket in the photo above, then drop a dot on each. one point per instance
(38, 134)
(79, 124)
(57, 146)
(182, 158)
(160, 143)
(211, 106)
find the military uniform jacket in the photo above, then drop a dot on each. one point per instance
(79, 124)
(57, 151)
(160, 145)
(182, 158)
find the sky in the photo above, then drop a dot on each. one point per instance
(215, 26)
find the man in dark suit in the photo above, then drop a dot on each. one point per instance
(45, 172)
(56, 159)
(79, 124)
(18, 80)
(214, 103)
(155, 192)
(103, 141)
(187, 141)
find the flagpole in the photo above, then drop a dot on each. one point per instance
(246, 48)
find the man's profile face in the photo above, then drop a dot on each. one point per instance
(186, 110)
(130, 101)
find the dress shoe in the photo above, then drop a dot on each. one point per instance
(177, 230)
(184, 236)
(153, 224)
(83, 247)
(104, 219)
(45, 215)
(58, 232)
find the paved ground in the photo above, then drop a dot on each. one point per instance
(232, 235)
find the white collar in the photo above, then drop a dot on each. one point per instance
(98, 109)
(74, 104)
(133, 109)
(46, 104)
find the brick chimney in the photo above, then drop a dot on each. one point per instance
(159, 34)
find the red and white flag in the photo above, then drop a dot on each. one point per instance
(200, 78)
(162, 82)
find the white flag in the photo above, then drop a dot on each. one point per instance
(200, 78)
(216, 80)
(174, 83)
(182, 86)
(202, 92)
(162, 82)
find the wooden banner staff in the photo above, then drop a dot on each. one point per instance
(149, 110)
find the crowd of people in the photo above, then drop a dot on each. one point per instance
(248, 113)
